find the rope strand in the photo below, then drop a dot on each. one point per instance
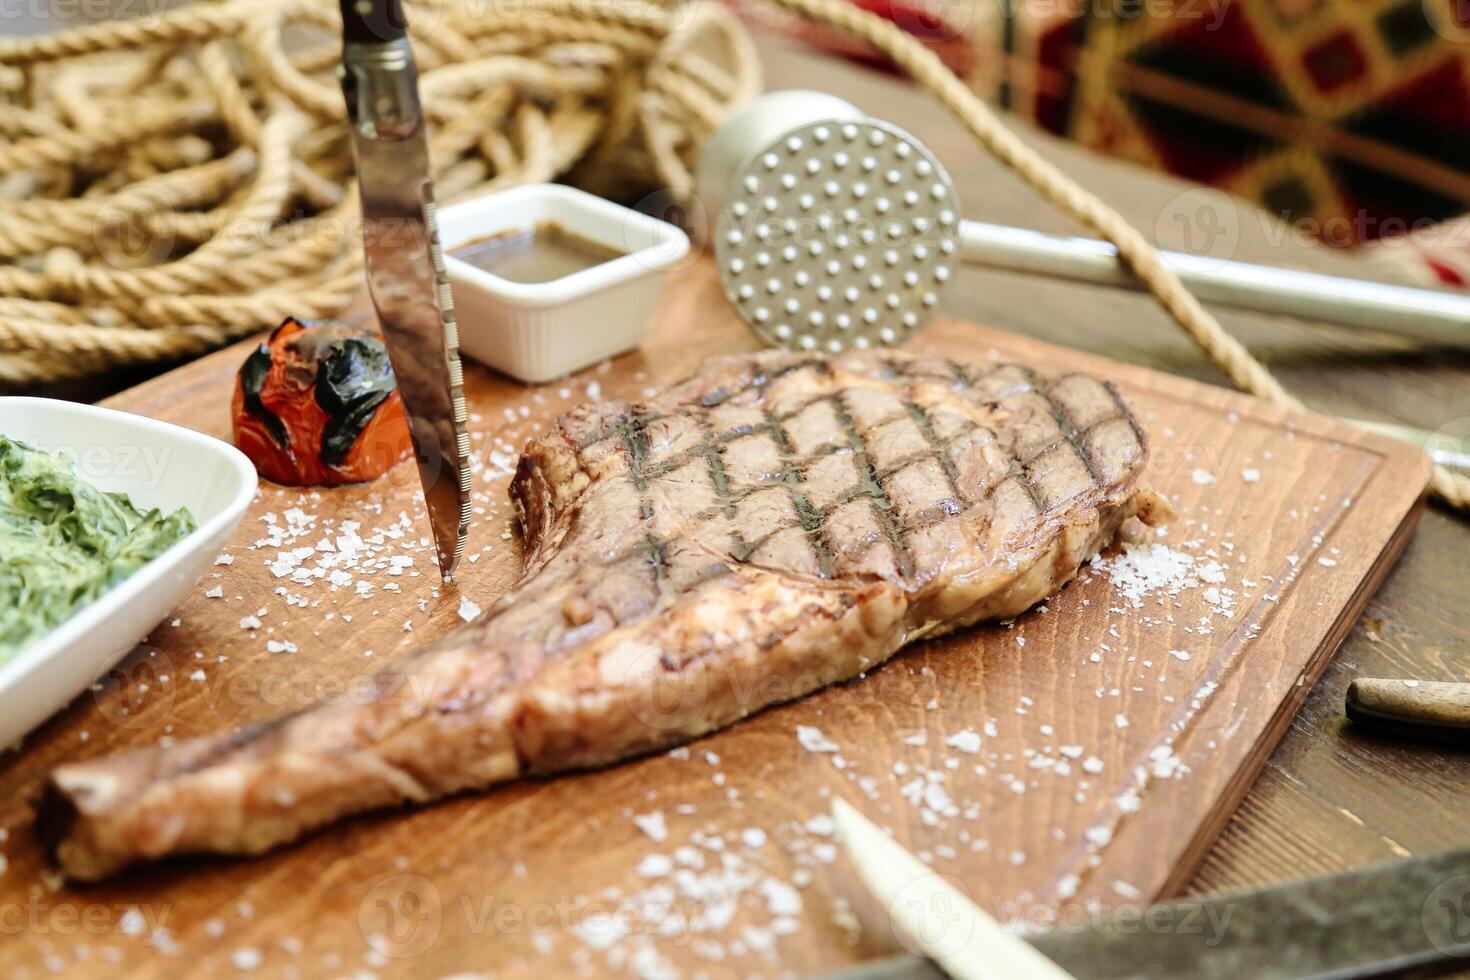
(174, 183)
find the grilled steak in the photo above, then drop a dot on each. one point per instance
(776, 523)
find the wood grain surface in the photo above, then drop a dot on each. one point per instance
(1080, 758)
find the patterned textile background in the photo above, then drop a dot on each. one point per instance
(1349, 117)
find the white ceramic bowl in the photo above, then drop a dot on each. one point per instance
(539, 331)
(157, 465)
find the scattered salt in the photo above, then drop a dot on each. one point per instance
(467, 609)
(813, 740)
(131, 923)
(246, 958)
(655, 866)
(781, 898)
(652, 824)
(966, 740)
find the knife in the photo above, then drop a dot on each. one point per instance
(404, 259)
(1369, 922)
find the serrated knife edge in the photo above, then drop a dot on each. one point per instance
(404, 260)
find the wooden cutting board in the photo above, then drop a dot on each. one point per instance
(1078, 759)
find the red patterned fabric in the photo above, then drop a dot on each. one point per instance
(1349, 117)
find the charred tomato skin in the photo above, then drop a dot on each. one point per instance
(317, 405)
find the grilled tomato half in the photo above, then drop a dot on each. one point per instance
(317, 404)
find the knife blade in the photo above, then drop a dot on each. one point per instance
(405, 261)
(1373, 921)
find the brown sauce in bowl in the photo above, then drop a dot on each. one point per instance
(535, 255)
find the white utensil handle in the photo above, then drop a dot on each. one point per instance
(1423, 314)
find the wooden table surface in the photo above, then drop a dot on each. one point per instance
(1328, 798)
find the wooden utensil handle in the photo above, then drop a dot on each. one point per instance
(1439, 708)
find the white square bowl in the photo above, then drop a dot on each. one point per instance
(157, 465)
(539, 331)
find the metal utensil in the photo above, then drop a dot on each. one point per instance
(1373, 921)
(838, 230)
(405, 264)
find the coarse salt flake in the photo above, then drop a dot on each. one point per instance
(967, 740)
(467, 609)
(246, 958)
(652, 824)
(813, 740)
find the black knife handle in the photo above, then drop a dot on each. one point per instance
(373, 21)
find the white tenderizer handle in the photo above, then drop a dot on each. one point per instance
(1423, 314)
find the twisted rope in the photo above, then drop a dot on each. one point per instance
(169, 185)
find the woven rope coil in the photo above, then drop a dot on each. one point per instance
(170, 184)
(102, 182)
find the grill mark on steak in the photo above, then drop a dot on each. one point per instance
(872, 487)
(1122, 407)
(776, 523)
(1064, 423)
(806, 516)
(939, 447)
(635, 440)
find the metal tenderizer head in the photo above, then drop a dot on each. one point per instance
(834, 230)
